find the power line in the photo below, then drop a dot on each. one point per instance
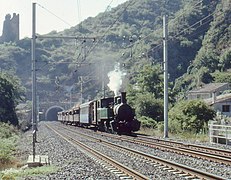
(172, 21)
(54, 15)
(198, 24)
(128, 4)
(108, 6)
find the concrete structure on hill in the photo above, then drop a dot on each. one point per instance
(10, 30)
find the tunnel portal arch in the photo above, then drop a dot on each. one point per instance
(51, 113)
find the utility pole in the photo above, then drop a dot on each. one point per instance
(102, 76)
(81, 89)
(34, 94)
(165, 54)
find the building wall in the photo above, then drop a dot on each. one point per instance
(219, 106)
(192, 96)
(208, 94)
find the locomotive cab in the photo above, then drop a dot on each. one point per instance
(104, 113)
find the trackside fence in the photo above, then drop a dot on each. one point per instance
(220, 134)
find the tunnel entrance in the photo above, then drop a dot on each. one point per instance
(51, 113)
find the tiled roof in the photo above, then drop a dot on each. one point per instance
(221, 98)
(208, 88)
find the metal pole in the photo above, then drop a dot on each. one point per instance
(70, 99)
(37, 120)
(81, 89)
(165, 51)
(34, 103)
(34, 97)
(103, 83)
(34, 139)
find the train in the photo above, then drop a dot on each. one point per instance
(110, 114)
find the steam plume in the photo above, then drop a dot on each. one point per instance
(115, 79)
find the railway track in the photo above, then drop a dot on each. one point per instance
(171, 167)
(121, 170)
(199, 148)
(208, 153)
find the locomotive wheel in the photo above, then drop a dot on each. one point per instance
(113, 130)
(101, 126)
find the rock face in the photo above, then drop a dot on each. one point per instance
(10, 30)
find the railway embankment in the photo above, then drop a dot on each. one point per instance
(69, 162)
(66, 160)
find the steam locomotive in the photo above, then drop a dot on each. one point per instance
(111, 114)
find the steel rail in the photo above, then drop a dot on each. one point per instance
(181, 148)
(122, 168)
(173, 166)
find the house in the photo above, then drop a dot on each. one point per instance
(214, 95)
(221, 104)
(208, 91)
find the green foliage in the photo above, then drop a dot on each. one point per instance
(10, 94)
(198, 45)
(147, 122)
(225, 60)
(146, 105)
(150, 79)
(8, 136)
(6, 148)
(28, 172)
(7, 131)
(222, 77)
(190, 116)
(7, 177)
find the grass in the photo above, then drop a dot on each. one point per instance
(180, 136)
(15, 173)
(9, 137)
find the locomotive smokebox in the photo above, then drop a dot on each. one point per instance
(123, 98)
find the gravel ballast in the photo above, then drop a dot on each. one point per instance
(72, 163)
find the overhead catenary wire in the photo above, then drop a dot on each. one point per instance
(181, 14)
(197, 24)
(183, 31)
(108, 29)
(54, 15)
(83, 49)
(200, 23)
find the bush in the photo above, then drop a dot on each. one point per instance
(191, 116)
(160, 126)
(146, 105)
(6, 148)
(7, 131)
(8, 136)
(147, 122)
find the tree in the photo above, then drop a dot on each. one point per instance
(146, 105)
(190, 116)
(150, 79)
(10, 94)
(222, 77)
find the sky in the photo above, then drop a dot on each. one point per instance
(52, 14)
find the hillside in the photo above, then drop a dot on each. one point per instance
(199, 46)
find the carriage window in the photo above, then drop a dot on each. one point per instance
(225, 108)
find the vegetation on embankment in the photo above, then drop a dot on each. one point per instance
(13, 173)
(9, 136)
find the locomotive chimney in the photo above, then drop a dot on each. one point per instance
(123, 98)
